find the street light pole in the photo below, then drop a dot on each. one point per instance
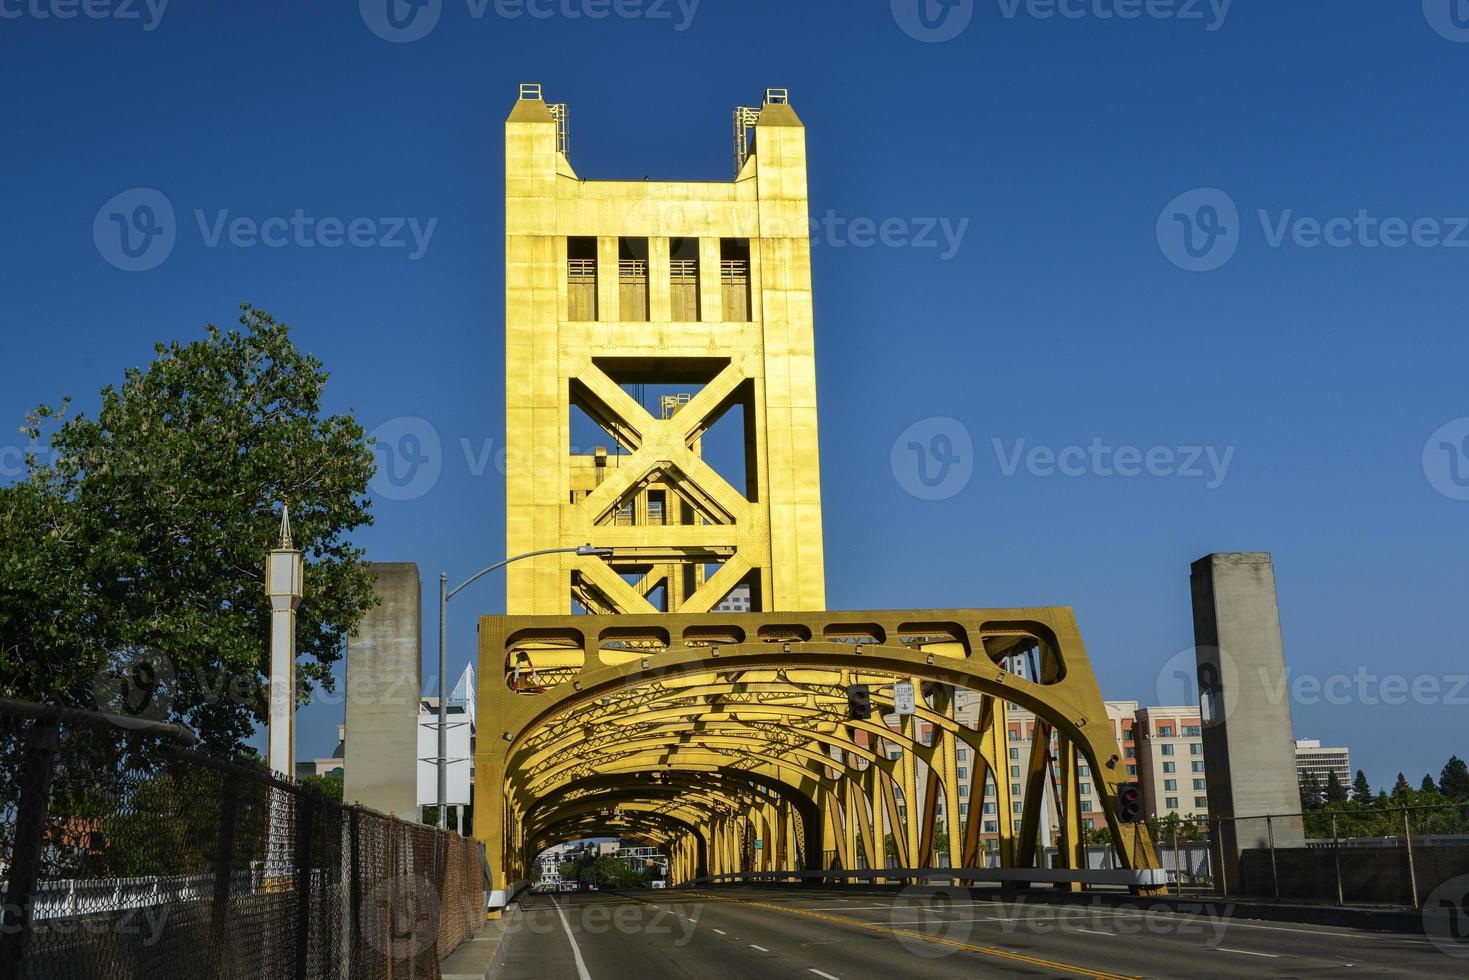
(445, 594)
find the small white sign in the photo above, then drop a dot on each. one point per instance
(903, 697)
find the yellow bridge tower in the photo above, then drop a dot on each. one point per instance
(700, 292)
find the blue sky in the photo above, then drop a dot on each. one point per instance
(1085, 167)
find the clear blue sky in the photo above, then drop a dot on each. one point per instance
(1066, 315)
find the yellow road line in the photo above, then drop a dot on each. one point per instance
(968, 947)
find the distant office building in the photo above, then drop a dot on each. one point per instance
(331, 765)
(1313, 760)
(1170, 757)
(738, 601)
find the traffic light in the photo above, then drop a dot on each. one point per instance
(1130, 803)
(859, 702)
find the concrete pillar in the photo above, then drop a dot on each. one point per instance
(384, 667)
(1249, 749)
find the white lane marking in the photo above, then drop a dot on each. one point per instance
(721, 932)
(820, 974)
(760, 948)
(1247, 952)
(1094, 932)
(581, 964)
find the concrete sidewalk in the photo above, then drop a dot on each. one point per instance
(482, 955)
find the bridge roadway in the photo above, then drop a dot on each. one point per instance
(764, 933)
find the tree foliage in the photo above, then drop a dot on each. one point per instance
(1453, 782)
(140, 534)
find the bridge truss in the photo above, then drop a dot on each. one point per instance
(725, 740)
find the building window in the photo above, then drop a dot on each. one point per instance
(989, 789)
(1089, 824)
(1168, 767)
(581, 279)
(1170, 784)
(1171, 802)
(734, 278)
(683, 275)
(1014, 789)
(1195, 748)
(960, 754)
(1192, 731)
(1130, 752)
(1199, 784)
(1132, 770)
(963, 809)
(1014, 772)
(1014, 753)
(1198, 767)
(1166, 731)
(632, 279)
(1086, 806)
(1016, 806)
(1202, 802)
(1167, 750)
(963, 773)
(991, 826)
(657, 499)
(1085, 788)
(991, 808)
(1084, 771)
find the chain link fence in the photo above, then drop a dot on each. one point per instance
(124, 852)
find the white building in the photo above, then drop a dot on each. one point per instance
(1314, 760)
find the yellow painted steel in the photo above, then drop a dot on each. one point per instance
(724, 737)
(584, 323)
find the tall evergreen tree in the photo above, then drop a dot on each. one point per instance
(1361, 791)
(1401, 788)
(1335, 791)
(1310, 792)
(1454, 782)
(1428, 786)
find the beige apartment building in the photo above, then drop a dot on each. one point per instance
(1170, 758)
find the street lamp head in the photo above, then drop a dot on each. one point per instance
(587, 551)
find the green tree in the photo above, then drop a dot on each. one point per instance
(1310, 791)
(1454, 781)
(139, 535)
(1335, 792)
(1401, 789)
(1361, 791)
(329, 785)
(1428, 787)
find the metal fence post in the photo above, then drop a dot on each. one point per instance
(354, 891)
(1274, 871)
(42, 744)
(224, 851)
(1223, 872)
(1412, 868)
(1336, 852)
(303, 856)
(1177, 877)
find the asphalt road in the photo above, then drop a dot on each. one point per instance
(927, 933)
